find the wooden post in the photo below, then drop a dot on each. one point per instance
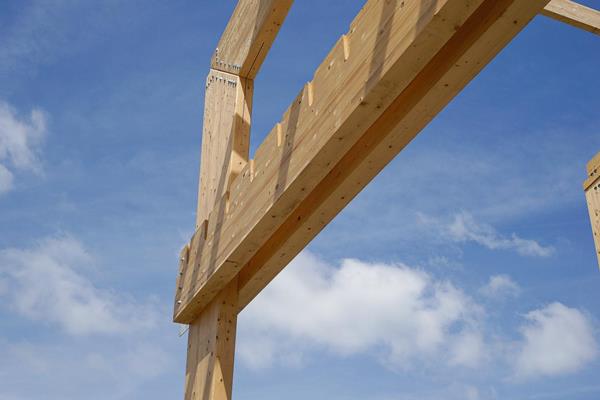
(225, 144)
(592, 195)
(224, 154)
(211, 347)
(225, 138)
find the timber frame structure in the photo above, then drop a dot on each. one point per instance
(400, 63)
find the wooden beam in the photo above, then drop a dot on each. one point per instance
(225, 137)
(249, 36)
(593, 166)
(592, 196)
(211, 347)
(400, 63)
(574, 14)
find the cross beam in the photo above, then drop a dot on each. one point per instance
(249, 36)
(399, 64)
(574, 14)
(592, 195)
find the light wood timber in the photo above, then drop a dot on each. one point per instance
(211, 347)
(225, 137)
(592, 196)
(249, 35)
(593, 166)
(413, 56)
(574, 14)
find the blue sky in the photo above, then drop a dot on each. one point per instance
(465, 270)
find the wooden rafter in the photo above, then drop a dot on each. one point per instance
(400, 63)
(249, 35)
(574, 14)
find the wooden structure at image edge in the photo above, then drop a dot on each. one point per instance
(397, 67)
(592, 196)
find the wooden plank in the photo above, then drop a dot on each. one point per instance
(574, 14)
(249, 36)
(211, 347)
(394, 53)
(225, 137)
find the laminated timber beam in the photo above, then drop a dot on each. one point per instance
(398, 66)
(249, 35)
(591, 186)
(574, 14)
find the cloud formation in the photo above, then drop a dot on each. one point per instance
(463, 228)
(400, 313)
(556, 340)
(499, 287)
(20, 139)
(47, 283)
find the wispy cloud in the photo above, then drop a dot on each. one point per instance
(463, 227)
(400, 313)
(20, 139)
(47, 283)
(556, 340)
(500, 287)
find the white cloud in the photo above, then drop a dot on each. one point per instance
(397, 312)
(464, 228)
(500, 286)
(556, 340)
(468, 349)
(6, 179)
(19, 143)
(122, 367)
(47, 283)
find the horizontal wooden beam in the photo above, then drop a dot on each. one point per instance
(396, 68)
(574, 14)
(249, 36)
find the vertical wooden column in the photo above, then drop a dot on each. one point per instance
(592, 196)
(225, 137)
(225, 146)
(211, 347)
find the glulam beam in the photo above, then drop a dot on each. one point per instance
(397, 67)
(249, 35)
(574, 14)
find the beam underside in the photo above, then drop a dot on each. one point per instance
(574, 14)
(398, 66)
